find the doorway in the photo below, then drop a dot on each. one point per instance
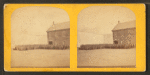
(115, 42)
(50, 42)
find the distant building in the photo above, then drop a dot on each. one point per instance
(89, 38)
(124, 33)
(108, 39)
(59, 34)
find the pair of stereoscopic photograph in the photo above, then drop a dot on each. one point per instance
(40, 37)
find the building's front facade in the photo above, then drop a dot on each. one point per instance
(59, 34)
(125, 33)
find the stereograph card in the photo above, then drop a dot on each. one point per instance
(75, 37)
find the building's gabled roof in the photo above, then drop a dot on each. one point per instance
(60, 26)
(125, 25)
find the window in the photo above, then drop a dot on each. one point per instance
(50, 42)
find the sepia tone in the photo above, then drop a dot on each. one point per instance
(40, 38)
(106, 37)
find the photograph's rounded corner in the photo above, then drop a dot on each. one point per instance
(7, 69)
(9, 9)
(144, 5)
(142, 70)
(5, 5)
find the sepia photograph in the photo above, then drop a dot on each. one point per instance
(106, 37)
(74, 37)
(40, 37)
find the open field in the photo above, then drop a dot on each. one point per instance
(41, 58)
(106, 58)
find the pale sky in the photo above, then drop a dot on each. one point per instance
(100, 20)
(29, 24)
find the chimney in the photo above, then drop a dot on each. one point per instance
(118, 21)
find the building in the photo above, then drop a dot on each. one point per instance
(125, 33)
(59, 34)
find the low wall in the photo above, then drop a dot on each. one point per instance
(32, 47)
(106, 46)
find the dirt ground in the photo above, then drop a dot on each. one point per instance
(106, 58)
(86, 58)
(40, 58)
